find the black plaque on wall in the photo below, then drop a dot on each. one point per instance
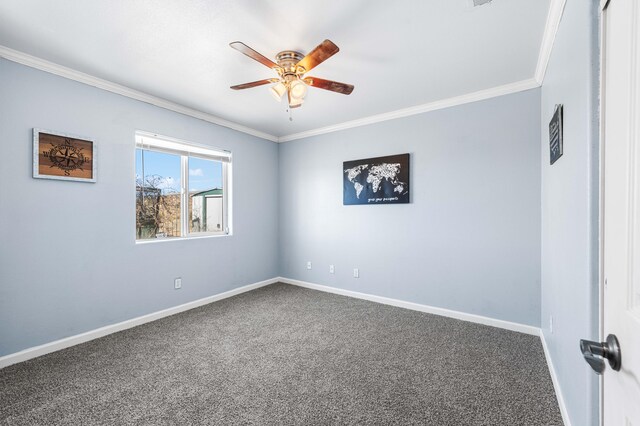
(555, 135)
(380, 180)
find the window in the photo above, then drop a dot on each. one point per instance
(182, 190)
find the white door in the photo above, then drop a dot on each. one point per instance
(621, 197)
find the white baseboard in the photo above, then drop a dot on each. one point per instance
(527, 329)
(57, 345)
(556, 383)
(513, 326)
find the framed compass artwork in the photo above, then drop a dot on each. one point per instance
(63, 156)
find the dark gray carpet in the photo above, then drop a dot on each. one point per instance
(287, 355)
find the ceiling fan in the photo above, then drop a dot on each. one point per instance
(291, 67)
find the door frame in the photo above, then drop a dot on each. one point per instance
(601, 159)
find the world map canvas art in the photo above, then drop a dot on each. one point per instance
(381, 180)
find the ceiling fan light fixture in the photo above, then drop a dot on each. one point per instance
(298, 89)
(278, 90)
(291, 68)
(294, 102)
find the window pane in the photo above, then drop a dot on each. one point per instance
(205, 196)
(157, 195)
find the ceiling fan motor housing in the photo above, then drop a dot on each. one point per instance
(287, 59)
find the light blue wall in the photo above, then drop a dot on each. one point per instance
(474, 239)
(570, 208)
(68, 260)
(469, 240)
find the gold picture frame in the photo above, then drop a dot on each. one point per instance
(63, 156)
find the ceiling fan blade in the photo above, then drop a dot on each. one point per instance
(321, 53)
(254, 84)
(243, 48)
(334, 86)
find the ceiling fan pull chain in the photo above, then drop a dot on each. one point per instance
(290, 114)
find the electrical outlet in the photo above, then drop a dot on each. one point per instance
(551, 324)
(332, 270)
(177, 283)
(356, 273)
(309, 265)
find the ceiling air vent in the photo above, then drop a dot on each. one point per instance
(481, 2)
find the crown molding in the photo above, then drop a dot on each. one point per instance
(554, 16)
(53, 68)
(481, 95)
(553, 21)
(556, 9)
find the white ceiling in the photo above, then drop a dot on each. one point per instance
(398, 54)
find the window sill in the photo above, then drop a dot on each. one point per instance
(164, 240)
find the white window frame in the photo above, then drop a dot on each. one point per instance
(148, 141)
